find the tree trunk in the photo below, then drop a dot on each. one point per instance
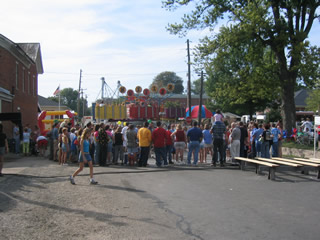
(288, 107)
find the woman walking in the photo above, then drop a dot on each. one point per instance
(84, 157)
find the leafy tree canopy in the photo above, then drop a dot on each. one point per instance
(313, 101)
(164, 78)
(278, 25)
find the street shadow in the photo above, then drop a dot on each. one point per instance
(121, 188)
(98, 216)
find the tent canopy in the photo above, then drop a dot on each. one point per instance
(205, 113)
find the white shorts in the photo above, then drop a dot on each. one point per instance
(179, 145)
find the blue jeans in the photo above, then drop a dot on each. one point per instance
(17, 145)
(168, 152)
(265, 150)
(160, 153)
(193, 146)
(275, 149)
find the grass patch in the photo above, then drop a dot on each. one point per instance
(292, 144)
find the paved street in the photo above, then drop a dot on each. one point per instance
(38, 202)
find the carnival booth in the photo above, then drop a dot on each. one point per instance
(47, 118)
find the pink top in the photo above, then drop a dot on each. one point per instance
(218, 117)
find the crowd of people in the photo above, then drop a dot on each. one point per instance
(126, 144)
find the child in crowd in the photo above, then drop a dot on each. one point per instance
(26, 141)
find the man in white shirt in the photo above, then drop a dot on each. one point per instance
(307, 126)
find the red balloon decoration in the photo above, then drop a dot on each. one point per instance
(162, 91)
(146, 92)
(130, 93)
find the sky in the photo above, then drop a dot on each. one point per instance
(119, 40)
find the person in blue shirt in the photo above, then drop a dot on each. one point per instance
(275, 133)
(194, 136)
(207, 137)
(255, 137)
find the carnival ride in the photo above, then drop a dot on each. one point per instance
(137, 104)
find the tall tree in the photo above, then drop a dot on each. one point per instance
(69, 98)
(281, 25)
(164, 78)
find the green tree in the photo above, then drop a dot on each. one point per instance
(241, 76)
(69, 98)
(196, 86)
(164, 78)
(283, 26)
(313, 101)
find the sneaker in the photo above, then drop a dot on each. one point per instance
(72, 180)
(93, 182)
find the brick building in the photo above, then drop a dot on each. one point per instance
(20, 64)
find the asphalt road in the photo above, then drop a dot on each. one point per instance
(38, 202)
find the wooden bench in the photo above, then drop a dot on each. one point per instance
(271, 166)
(279, 162)
(304, 163)
(312, 160)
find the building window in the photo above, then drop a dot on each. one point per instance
(17, 75)
(28, 82)
(23, 79)
(33, 84)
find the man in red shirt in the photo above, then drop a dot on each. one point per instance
(159, 138)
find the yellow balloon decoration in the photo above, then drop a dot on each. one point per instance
(122, 89)
(170, 87)
(119, 123)
(154, 88)
(138, 89)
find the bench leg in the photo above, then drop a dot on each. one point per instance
(318, 173)
(241, 165)
(272, 174)
(305, 172)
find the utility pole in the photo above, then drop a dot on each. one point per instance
(78, 103)
(189, 79)
(102, 88)
(200, 103)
